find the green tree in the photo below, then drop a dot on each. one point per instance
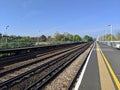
(0, 36)
(77, 38)
(43, 38)
(59, 37)
(49, 39)
(108, 37)
(24, 39)
(87, 38)
(68, 37)
(118, 36)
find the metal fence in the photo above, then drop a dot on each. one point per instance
(114, 44)
(16, 45)
(10, 45)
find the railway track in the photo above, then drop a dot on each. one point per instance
(45, 79)
(28, 55)
(7, 54)
(37, 77)
(76, 76)
(12, 70)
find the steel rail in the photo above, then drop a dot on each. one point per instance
(25, 56)
(31, 63)
(37, 47)
(73, 81)
(8, 82)
(55, 72)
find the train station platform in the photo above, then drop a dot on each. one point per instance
(102, 69)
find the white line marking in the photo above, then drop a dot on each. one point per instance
(83, 71)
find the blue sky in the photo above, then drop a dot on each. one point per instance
(36, 17)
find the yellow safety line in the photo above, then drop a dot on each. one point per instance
(111, 70)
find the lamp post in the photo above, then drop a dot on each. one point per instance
(38, 37)
(110, 31)
(6, 32)
(104, 36)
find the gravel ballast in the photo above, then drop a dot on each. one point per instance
(62, 81)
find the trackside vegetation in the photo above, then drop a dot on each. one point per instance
(13, 41)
